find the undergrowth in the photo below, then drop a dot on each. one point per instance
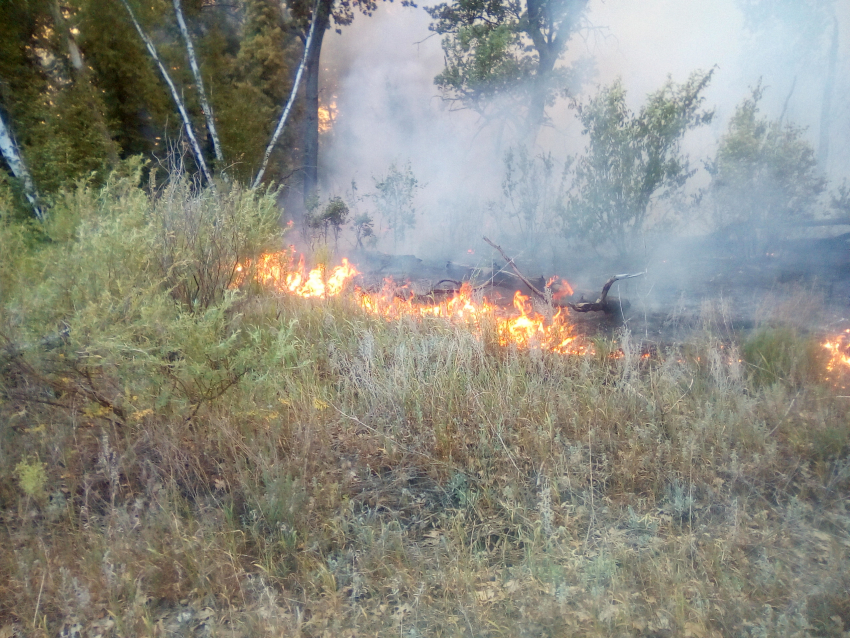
(185, 453)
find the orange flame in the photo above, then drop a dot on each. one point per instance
(523, 326)
(839, 349)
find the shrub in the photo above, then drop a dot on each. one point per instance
(781, 355)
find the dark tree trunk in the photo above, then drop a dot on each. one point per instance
(311, 109)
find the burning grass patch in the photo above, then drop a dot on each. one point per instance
(273, 465)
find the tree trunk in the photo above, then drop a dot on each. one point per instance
(537, 104)
(9, 151)
(181, 108)
(311, 117)
(206, 107)
(308, 47)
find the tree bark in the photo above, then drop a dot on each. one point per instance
(311, 99)
(206, 107)
(308, 45)
(16, 163)
(184, 115)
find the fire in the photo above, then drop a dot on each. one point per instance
(839, 349)
(521, 325)
(278, 271)
(327, 116)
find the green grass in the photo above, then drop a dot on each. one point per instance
(255, 464)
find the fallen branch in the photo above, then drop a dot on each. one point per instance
(511, 263)
(600, 305)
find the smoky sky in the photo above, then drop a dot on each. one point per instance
(379, 72)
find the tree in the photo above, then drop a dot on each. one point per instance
(764, 174)
(340, 13)
(394, 195)
(631, 159)
(502, 55)
(331, 218)
(801, 36)
(533, 191)
(49, 97)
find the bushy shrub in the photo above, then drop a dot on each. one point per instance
(781, 355)
(131, 306)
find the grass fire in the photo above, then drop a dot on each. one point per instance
(314, 325)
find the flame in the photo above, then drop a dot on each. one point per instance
(278, 271)
(327, 116)
(520, 324)
(839, 349)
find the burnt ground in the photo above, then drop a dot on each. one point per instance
(689, 284)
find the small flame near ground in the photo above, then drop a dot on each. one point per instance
(839, 351)
(520, 324)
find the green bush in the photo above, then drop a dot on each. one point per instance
(781, 355)
(134, 305)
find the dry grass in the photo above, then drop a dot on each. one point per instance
(289, 467)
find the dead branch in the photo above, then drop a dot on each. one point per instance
(601, 304)
(519, 274)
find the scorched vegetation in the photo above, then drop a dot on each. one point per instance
(186, 450)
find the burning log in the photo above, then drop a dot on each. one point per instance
(600, 305)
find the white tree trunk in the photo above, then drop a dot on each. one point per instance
(187, 123)
(13, 158)
(291, 101)
(196, 71)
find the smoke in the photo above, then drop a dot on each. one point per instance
(380, 71)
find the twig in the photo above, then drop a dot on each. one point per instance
(38, 600)
(519, 274)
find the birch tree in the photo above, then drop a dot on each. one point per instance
(178, 101)
(206, 107)
(11, 153)
(285, 114)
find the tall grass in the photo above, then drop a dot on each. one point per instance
(179, 456)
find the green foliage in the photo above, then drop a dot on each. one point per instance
(32, 477)
(765, 173)
(501, 57)
(332, 218)
(533, 193)
(781, 355)
(394, 198)
(204, 238)
(632, 159)
(364, 230)
(147, 291)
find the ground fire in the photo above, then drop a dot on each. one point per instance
(517, 323)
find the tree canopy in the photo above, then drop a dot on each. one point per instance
(632, 159)
(502, 55)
